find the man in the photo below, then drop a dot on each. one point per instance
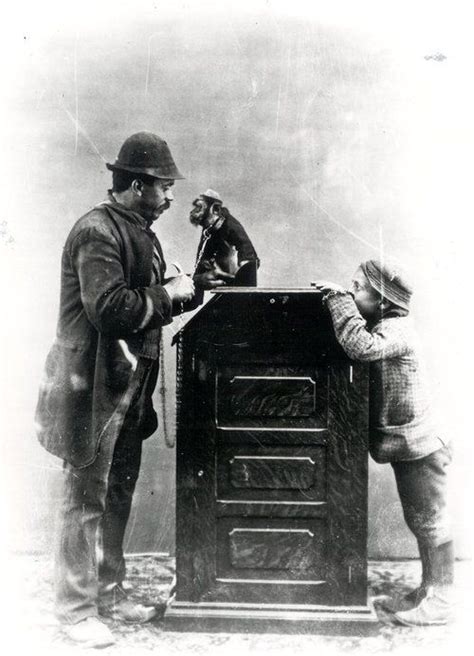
(224, 248)
(95, 404)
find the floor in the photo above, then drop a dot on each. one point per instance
(30, 623)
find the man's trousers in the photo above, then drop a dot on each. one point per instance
(97, 499)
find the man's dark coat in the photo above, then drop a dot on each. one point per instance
(108, 292)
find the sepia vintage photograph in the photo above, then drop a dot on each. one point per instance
(235, 252)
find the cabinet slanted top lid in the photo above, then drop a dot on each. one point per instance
(258, 294)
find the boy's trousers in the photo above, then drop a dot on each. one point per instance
(423, 490)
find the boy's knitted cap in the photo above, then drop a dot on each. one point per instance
(389, 281)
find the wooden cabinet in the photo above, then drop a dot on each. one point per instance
(271, 469)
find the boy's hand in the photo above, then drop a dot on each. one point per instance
(326, 286)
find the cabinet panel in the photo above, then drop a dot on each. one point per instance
(281, 473)
(271, 396)
(271, 550)
(250, 395)
(272, 472)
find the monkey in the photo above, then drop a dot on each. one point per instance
(225, 248)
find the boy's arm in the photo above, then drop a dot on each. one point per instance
(353, 336)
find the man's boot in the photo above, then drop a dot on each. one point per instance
(436, 607)
(115, 603)
(90, 633)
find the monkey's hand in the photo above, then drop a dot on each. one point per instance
(213, 278)
(206, 265)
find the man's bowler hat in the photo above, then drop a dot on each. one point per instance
(145, 152)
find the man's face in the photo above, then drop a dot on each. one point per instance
(366, 298)
(155, 199)
(199, 211)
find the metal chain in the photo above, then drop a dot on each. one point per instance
(170, 440)
(206, 234)
(179, 381)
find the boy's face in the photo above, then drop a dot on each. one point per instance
(368, 301)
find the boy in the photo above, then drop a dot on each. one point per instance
(372, 325)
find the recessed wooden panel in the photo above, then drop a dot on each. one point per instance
(271, 549)
(249, 396)
(267, 548)
(272, 472)
(271, 396)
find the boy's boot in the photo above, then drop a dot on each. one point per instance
(436, 607)
(413, 598)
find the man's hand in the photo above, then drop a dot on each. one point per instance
(214, 277)
(326, 286)
(180, 288)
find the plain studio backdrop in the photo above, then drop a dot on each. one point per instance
(334, 133)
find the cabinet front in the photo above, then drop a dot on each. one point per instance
(271, 480)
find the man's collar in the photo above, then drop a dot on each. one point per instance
(130, 215)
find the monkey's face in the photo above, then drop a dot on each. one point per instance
(199, 213)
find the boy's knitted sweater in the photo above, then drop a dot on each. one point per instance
(400, 425)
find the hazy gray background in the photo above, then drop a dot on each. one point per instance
(332, 134)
